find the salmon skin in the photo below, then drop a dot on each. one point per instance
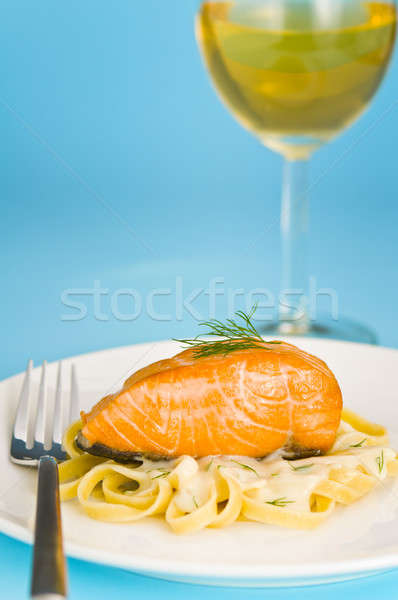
(251, 402)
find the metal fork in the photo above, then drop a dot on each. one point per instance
(37, 441)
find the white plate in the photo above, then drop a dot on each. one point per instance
(356, 540)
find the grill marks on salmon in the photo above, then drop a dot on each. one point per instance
(249, 403)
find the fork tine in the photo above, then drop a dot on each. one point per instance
(59, 412)
(41, 411)
(74, 396)
(22, 417)
(42, 418)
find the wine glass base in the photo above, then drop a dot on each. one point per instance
(340, 329)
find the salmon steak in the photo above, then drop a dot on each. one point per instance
(251, 402)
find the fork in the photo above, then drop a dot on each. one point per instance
(37, 442)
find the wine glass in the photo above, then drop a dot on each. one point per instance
(296, 73)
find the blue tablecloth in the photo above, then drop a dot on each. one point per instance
(93, 582)
(120, 170)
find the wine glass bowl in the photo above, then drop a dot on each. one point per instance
(296, 73)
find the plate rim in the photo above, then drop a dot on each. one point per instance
(164, 567)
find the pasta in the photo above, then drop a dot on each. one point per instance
(216, 491)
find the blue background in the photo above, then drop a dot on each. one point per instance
(119, 165)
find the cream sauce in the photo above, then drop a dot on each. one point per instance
(272, 479)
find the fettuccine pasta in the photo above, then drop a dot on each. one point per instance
(215, 491)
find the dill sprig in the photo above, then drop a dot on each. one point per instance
(246, 467)
(359, 444)
(301, 467)
(380, 461)
(280, 501)
(237, 336)
(208, 466)
(163, 474)
(195, 502)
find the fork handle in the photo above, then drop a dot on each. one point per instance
(49, 570)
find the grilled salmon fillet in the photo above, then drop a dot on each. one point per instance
(250, 403)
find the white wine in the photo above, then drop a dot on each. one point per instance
(296, 77)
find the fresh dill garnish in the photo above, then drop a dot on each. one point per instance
(301, 467)
(380, 461)
(280, 501)
(195, 502)
(359, 444)
(163, 474)
(247, 467)
(275, 474)
(209, 465)
(237, 336)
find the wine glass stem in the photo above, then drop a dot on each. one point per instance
(293, 306)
